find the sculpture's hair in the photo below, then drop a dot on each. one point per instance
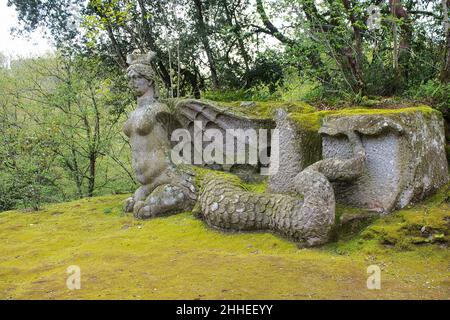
(141, 63)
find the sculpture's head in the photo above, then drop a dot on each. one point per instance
(140, 73)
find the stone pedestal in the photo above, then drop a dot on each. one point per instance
(405, 157)
(404, 148)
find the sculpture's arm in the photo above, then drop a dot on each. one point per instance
(335, 169)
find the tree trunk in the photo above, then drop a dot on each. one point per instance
(76, 172)
(151, 44)
(191, 77)
(202, 30)
(236, 28)
(355, 59)
(269, 25)
(401, 50)
(445, 70)
(91, 178)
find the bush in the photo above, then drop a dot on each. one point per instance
(434, 92)
(226, 95)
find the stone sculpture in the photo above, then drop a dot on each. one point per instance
(405, 155)
(212, 117)
(164, 188)
(374, 161)
(306, 218)
(406, 159)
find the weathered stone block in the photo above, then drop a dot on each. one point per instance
(405, 153)
(299, 146)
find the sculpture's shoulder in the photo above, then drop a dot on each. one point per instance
(163, 115)
(159, 111)
(154, 111)
(143, 120)
(158, 107)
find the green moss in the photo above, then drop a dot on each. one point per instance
(428, 222)
(301, 111)
(309, 121)
(263, 110)
(350, 221)
(202, 173)
(313, 121)
(367, 111)
(178, 257)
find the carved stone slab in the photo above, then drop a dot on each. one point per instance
(405, 157)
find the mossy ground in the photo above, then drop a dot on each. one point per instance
(178, 257)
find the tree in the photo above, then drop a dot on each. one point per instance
(445, 70)
(74, 96)
(202, 30)
(27, 178)
(219, 43)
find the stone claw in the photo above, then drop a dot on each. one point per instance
(128, 205)
(137, 207)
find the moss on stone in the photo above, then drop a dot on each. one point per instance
(263, 110)
(368, 111)
(428, 222)
(313, 120)
(309, 121)
(299, 111)
(350, 221)
(424, 223)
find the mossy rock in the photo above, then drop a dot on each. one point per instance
(313, 120)
(255, 110)
(428, 222)
(264, 110)
(350, 221)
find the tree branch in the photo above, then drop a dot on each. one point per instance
(272, 30)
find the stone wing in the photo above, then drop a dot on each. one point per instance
(198, 116)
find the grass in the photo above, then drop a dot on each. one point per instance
(178, 257)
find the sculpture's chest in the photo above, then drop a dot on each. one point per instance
(141, 122)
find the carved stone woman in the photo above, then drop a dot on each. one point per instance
(164, 188)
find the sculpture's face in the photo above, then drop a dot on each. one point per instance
(138, 83)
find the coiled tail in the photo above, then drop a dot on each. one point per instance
(306, 218)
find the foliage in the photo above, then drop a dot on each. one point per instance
(227, 95)
(26, 171)
(59, 120)
(436, 93)
(207, 45)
